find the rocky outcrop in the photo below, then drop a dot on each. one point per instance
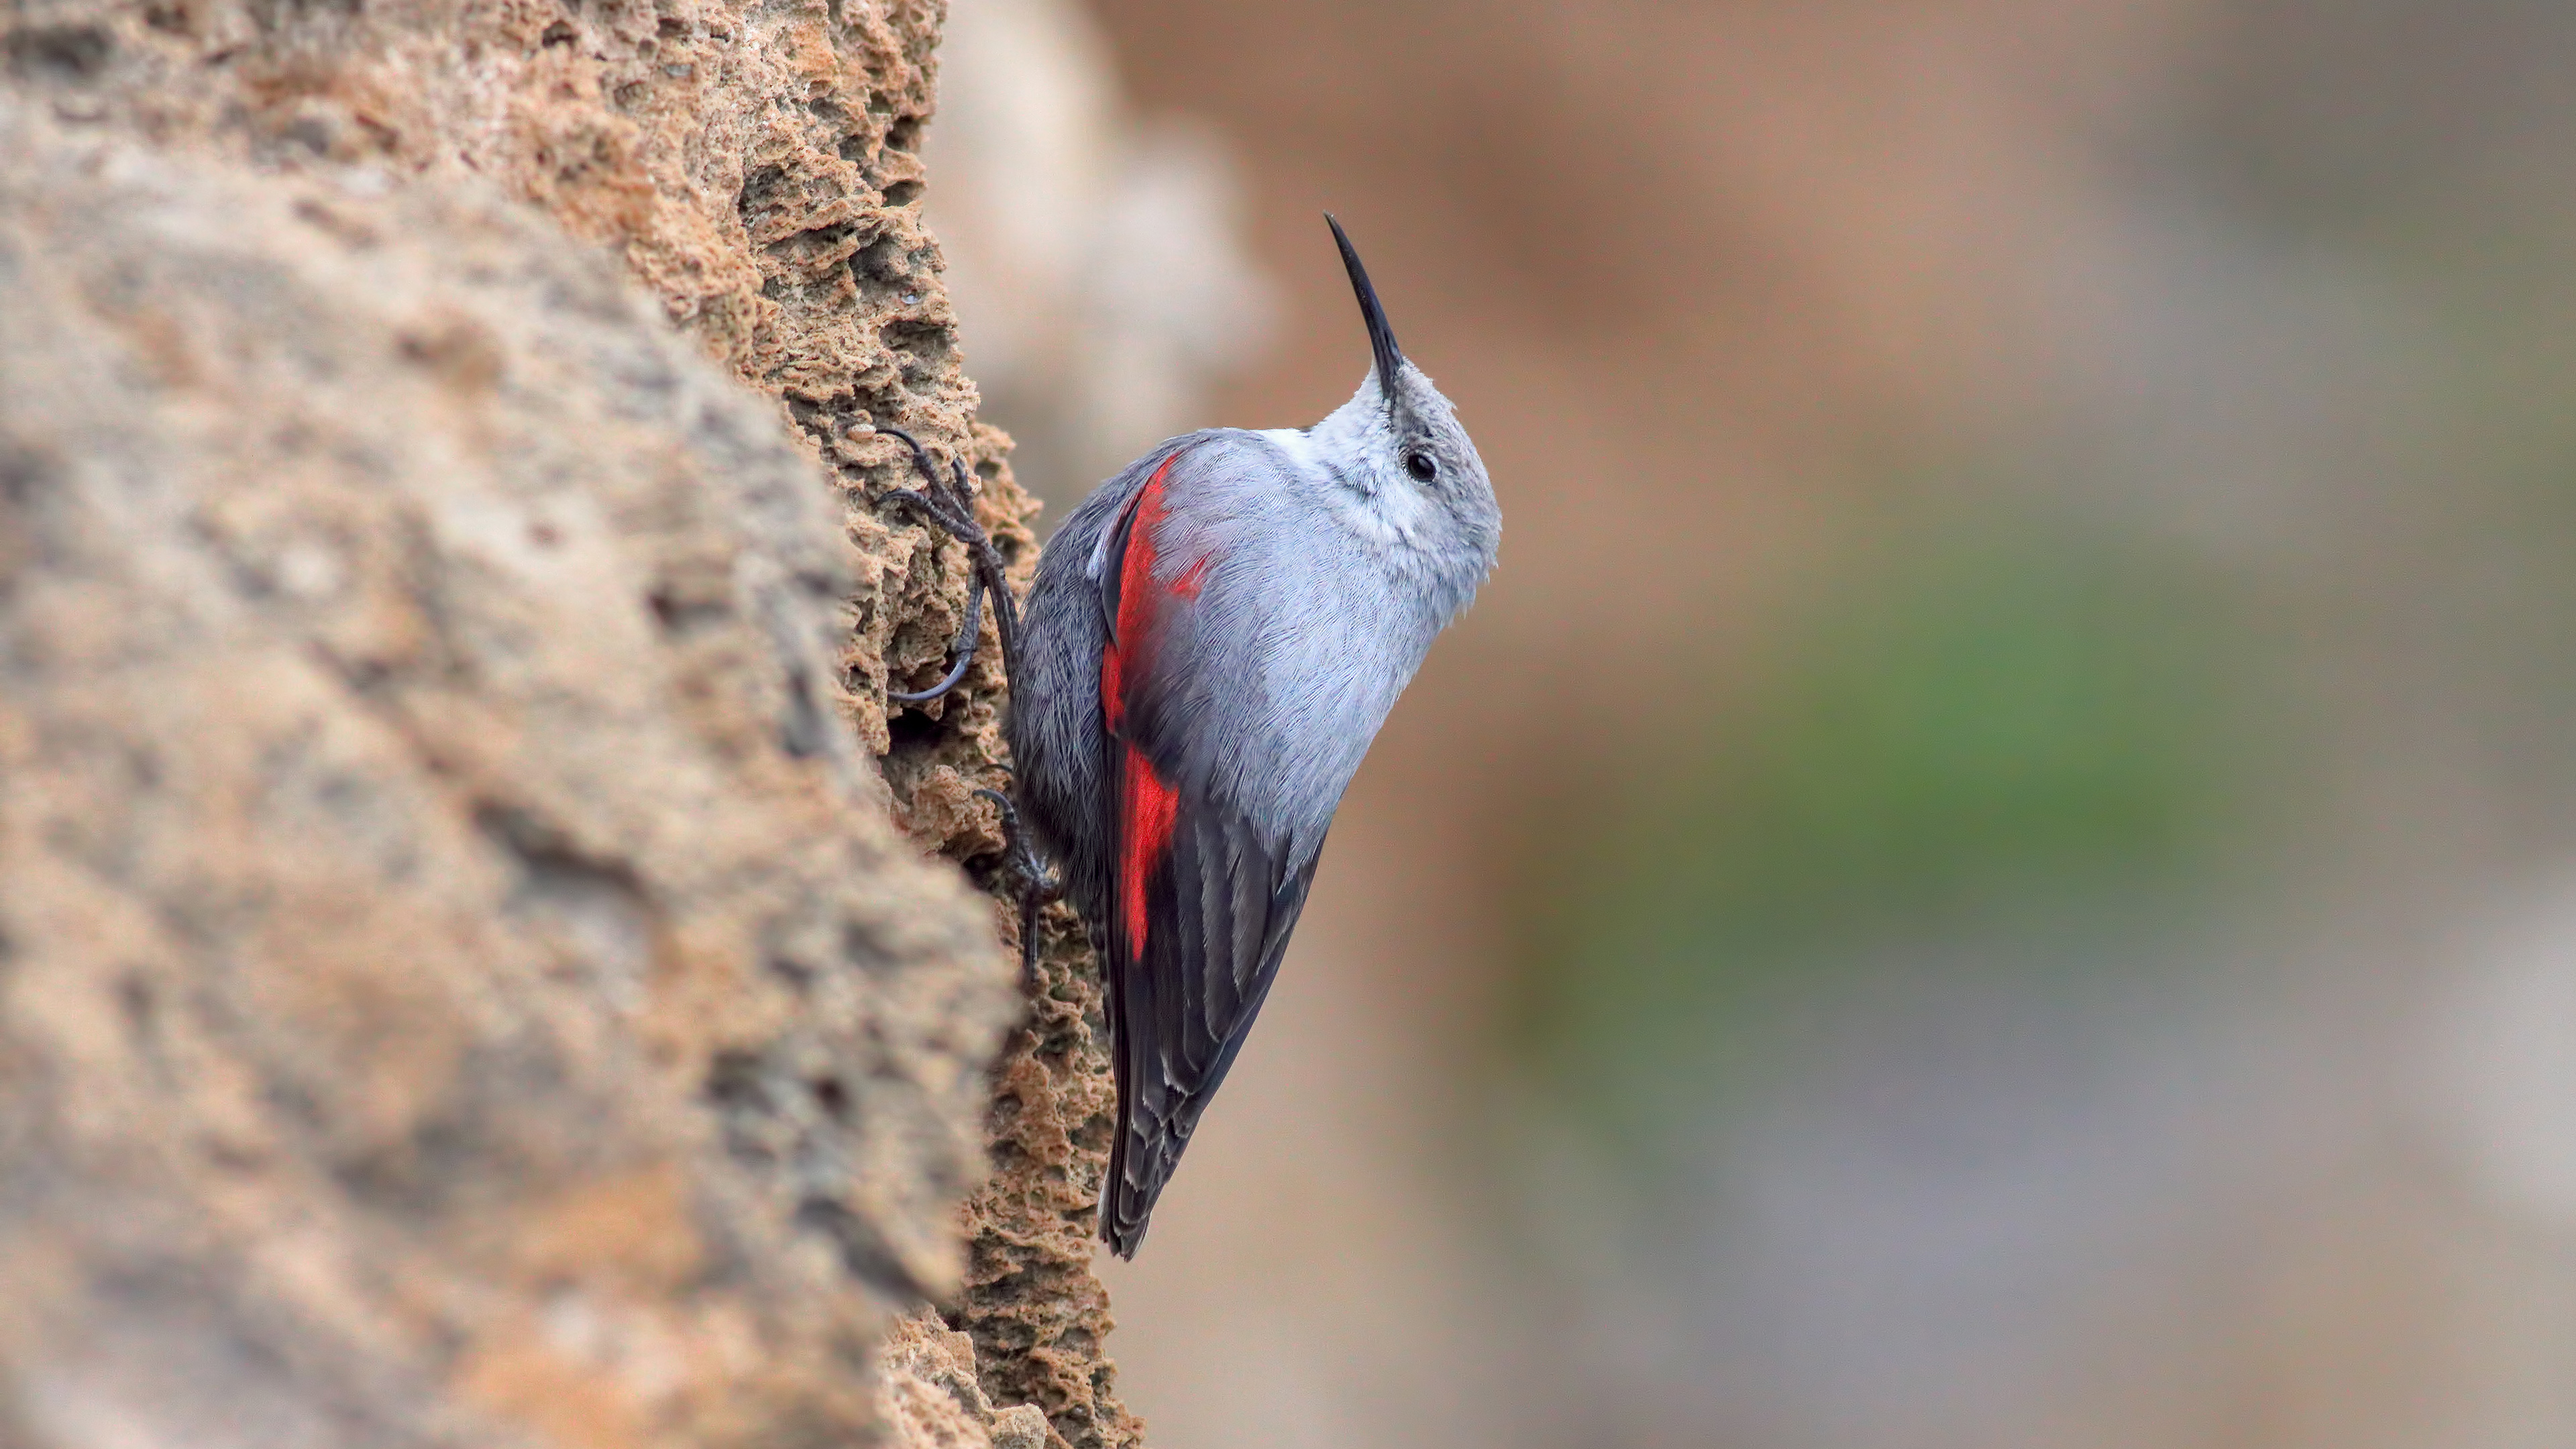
(469, 970)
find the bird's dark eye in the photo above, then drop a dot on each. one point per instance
(1421, 465)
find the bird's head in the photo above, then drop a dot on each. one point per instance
(1398, 445)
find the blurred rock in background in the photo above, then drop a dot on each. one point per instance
(1110, 289)
(474, 967)
(456, 984)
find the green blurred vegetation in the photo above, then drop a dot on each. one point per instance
(2002, 744)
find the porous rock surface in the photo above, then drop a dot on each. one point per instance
(469, 970)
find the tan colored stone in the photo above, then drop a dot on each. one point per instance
(449, 994)
(336, 661)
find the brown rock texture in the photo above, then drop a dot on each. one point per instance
(458, 979)
(457, 983)
(931, 1395)
(1037, 1314)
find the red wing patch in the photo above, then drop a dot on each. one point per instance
(1152, 808)
(1148, 806)
(1130, 653)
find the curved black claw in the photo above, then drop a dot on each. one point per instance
(967, 637)
(1037, 887)
(950, 503)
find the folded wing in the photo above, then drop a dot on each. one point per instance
(1202, 898)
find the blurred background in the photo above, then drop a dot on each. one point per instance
(1997, 864)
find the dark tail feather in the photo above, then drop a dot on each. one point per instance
(1127, 1208)
(1122, 1227)
(1127, 1197)
(1122, 1216)
(1123, 1213)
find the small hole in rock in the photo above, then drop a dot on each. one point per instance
(913, 728)
(833, 1097)
(679, 615)
(61, 52)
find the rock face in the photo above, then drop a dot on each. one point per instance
(469, 971)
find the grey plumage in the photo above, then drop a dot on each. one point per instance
(1259, 600)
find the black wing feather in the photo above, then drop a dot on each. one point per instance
(1219, 911)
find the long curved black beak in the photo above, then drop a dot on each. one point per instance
(1381, 336)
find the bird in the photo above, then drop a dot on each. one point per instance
(1210, 644)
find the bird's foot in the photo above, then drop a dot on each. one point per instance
(1035, 885)
(950, 503)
